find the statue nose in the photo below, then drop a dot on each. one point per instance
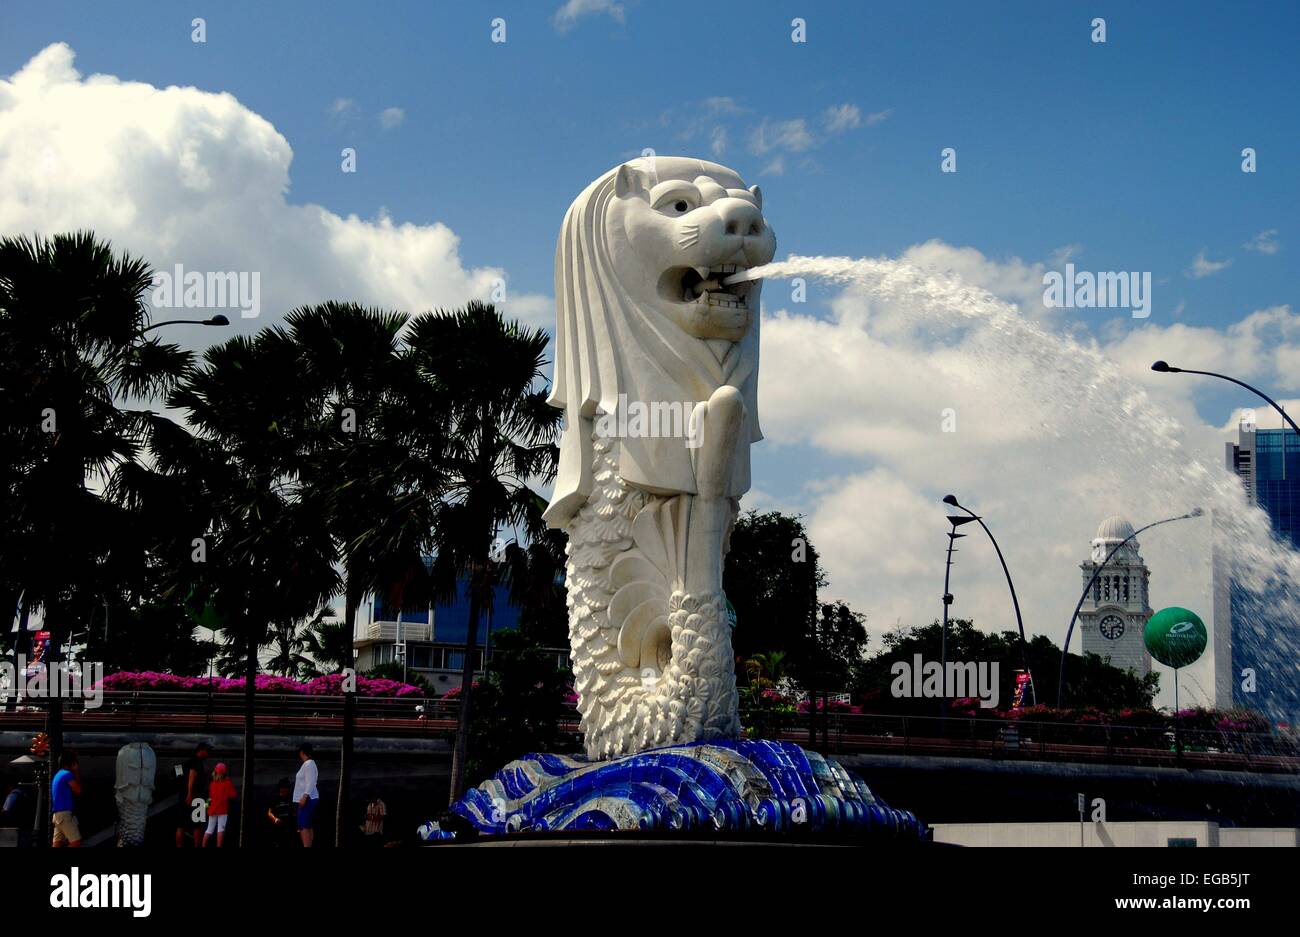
(739, 217)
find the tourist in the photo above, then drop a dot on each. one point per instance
(306, 794)
(280, 815)
(373, 828)
(220, 793)
(64, 788)
(18, 813)
(193, 792)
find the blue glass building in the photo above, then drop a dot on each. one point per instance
(430, 640)
(1254, 644)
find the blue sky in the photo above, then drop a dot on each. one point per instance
(1122, 156)
(1129, 149)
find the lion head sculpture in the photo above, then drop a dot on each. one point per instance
(643, 315)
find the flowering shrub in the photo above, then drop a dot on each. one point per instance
(454, 692)
(835, 707)
(329, 685)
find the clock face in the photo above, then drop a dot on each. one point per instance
(1111, 627)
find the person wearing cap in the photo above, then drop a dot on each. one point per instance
(220, 793)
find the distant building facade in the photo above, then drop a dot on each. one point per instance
(430, 641)
(1115, 610)
(1254, 645)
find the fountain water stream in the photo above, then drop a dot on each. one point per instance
(1088, 396)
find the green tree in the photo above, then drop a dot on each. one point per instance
(1098, 684)
(267, 554)
(290, 645)
(366, 408)
(325, 644)
(518, 705)
(771, 578)
(535, 576)
(500, 438)
(72, 357)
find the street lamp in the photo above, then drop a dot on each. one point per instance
(1165, 367)
(1015, 603)
(1065, 648)
(956, 521)
(215, 320)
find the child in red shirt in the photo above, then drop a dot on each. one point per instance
(220, 793)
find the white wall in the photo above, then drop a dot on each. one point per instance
(1066, 834)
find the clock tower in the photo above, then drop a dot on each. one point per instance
(1115, 611)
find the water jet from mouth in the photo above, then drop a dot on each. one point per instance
(1060, 395)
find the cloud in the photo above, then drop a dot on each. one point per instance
(775, 168)
(1202, 266)
(842, 117)
(567, 16)
(718, 142)
(789, 135)
(1265, 242)
(391, 118)
(181, 175)
(344, 108)
(1052, 433)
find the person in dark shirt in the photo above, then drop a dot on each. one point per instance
(192, 785)
(284, 831)
(18, 812)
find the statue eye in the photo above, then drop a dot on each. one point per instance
(681, 205)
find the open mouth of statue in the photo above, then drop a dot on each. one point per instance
(703, 285)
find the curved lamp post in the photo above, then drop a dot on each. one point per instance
(1165, 367)
(1065, 648)
(956, 521)
(1015, 603)
(215, 320)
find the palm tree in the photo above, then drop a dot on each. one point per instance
(501, 437)
(358, 470)
(71, 352)
(535, 577)
(324, 642)
(289, 644)
(268, 554)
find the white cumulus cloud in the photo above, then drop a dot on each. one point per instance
(180, 175)
(1049, 434)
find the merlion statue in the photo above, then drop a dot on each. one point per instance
(656, 369)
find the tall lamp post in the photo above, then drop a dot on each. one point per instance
(956, 521)
(1015, 603)
(1165, 367)
(215, 320)
(1065, 648)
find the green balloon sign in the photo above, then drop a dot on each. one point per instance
(1175, 636)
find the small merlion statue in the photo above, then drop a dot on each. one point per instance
(136, 765)
(656, 369)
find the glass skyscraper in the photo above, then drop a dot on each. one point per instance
(1254, 645)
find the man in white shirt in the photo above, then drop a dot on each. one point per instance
(305, 794)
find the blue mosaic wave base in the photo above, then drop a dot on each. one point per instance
(726, 786)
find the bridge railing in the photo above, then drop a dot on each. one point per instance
(841, 732)
(933, 734)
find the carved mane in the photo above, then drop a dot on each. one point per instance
(606, 346)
